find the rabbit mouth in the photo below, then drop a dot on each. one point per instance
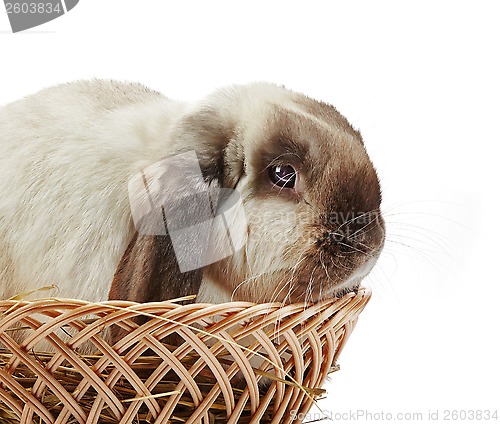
(325, 282)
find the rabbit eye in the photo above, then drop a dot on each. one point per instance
(283, 176)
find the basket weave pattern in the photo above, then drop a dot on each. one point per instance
(214, 375)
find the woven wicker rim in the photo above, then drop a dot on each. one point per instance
(306, 343)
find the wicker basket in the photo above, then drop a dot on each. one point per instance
(237, 363)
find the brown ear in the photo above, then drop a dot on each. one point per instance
(149, 272)
(166, 197)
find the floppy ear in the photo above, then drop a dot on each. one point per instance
(149, 269)
(169, 201)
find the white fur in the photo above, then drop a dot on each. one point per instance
(66, 154)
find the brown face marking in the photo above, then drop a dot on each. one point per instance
(338, 192)
(327, 113)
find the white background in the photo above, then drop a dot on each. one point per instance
(421, 82)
